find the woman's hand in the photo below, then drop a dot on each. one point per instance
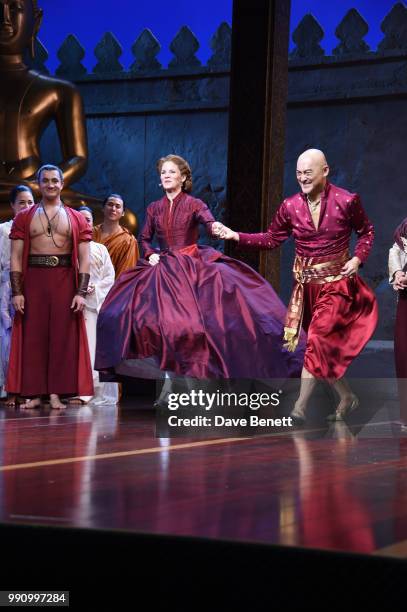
(217, 227)
(223, 232)
(154, 259)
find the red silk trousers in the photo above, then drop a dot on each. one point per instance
(50, 333)
(339, 318)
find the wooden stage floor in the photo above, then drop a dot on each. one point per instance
(340, 487)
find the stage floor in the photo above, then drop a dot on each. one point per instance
(336, 487)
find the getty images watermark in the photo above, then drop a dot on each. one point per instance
(230, 413)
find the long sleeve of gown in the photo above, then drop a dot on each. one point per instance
(204, 216)
(278, 231)
(147, 235)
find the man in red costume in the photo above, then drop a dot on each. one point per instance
(329, 300)
(49, 278)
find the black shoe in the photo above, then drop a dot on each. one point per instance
(298, 418)
(340, 415)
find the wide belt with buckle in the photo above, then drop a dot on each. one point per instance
(49, 261)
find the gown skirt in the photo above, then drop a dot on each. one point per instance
(198, 314)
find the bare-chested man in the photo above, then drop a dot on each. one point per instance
(49, 277)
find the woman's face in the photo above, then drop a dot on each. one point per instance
(113, 210)
(88, 216)
(23, 200)
(171, 177)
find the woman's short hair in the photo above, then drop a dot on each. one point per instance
(183, 166)
(85, 208)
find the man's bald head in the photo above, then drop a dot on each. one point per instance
(312, 170)
(313, 155)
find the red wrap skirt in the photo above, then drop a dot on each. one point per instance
(340, 318)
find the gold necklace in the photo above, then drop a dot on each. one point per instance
(313, 205)
(48, 231)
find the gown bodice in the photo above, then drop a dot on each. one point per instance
(175, 227)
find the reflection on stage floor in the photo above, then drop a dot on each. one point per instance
(339, 486)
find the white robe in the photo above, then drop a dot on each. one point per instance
(102, 277)
(6, 308)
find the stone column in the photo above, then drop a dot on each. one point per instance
(258, 98)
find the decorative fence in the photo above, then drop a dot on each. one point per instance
(307, 37)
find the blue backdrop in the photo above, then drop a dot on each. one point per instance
(90, 19)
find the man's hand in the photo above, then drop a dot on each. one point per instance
(154, 259)
(351, 267)
(400, 280)
(217, 227)
(228, 234)
(18, 303)
(78, 303)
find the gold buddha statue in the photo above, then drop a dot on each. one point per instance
(29, 101)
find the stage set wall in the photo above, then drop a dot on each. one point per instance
(352, 105)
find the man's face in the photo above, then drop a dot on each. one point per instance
(113, 210)
(23, 200)
(17, 23)
(311, 175)
(50, 184)
(88, 217)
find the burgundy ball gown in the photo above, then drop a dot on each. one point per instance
(197, 313)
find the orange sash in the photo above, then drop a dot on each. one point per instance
(315, 270)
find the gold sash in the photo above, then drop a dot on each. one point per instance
(314, 270)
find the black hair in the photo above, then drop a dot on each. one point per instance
(49, 168)
(114, 195)
(85, 208)
(16, 190)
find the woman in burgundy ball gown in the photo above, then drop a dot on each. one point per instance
(189, 310)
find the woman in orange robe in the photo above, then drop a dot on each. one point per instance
(121, 244)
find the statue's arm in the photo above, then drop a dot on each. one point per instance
(71, 125)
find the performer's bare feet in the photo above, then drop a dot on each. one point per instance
(35, 402)
(76, 401)
(11, 401)
(55, 402)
